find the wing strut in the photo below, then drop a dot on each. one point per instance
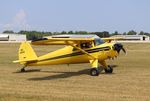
(83, 51)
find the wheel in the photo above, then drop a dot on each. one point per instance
(100, 69)
(109, 69)
(22, 70)
(94, 72)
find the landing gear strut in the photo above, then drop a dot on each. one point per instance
(109, 69)
(23, 68)
(94, 72)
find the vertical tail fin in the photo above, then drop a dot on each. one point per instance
(26, 53)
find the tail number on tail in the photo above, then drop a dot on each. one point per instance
(22, 51)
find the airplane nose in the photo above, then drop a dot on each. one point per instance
(118, 46)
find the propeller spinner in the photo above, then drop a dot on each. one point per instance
(118, 47)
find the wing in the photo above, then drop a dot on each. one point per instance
(111, 39)
(61, 41)
(74, 42)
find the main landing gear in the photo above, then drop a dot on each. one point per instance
(109, 70)
(23, 68)
(96, 71)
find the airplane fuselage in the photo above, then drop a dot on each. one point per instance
(70, 55)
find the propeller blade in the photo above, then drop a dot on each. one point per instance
(118, 47)
(124, 50)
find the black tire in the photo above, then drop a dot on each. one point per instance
(94, 72)
(22, 70)
(100, 69)
(109, 70)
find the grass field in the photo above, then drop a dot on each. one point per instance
(129, 82)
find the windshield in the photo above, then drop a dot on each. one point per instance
(98, 41)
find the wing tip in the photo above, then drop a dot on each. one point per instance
(16, 61)
(40, 39)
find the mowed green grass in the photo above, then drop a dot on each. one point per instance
(129, 82)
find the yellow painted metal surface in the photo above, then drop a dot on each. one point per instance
(67, 55)
(26, 53)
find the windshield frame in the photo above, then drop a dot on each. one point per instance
(98, 41)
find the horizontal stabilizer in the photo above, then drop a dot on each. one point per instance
(20, 61)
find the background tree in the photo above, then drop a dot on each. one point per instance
(33, 35)
(8, 31)
(124, 33)
(115, 33)
(102, 34)
(144, 33)
(63, 32)
(141, 33)
(132, 32)
(70, 32)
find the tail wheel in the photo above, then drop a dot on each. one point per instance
(94, 72)
(109, 69)
(23, 70)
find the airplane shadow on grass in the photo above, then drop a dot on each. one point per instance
(28, 71)
(62, 75)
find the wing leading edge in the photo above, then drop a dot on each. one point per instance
(60, 41)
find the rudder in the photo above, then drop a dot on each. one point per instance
(26, 53)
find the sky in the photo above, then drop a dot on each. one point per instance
(75, 15)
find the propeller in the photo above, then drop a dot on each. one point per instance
(124, 50)
(118, 47)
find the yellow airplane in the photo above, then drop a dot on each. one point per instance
(93, 50)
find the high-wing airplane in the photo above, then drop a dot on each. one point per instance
(93, 50)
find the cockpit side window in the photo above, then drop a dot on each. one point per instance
(98, 41)
(86, 45)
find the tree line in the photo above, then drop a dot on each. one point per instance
(33, 35)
